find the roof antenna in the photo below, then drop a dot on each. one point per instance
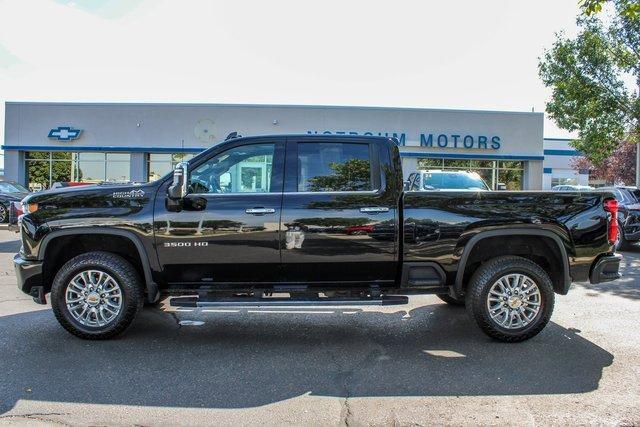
(233, 135)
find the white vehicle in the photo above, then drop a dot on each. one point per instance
(566, 187)
(437, 180)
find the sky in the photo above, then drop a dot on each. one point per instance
(459, 54)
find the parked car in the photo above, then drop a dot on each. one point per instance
(567, 187)
(103, 251)
(445, 180)
(628, 214)
(10, 191)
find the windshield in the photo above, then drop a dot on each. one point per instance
(622, 195)
(452, 181)
(12, 187)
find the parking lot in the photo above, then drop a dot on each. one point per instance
(424, 364)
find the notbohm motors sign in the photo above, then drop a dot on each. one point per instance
(455, 140)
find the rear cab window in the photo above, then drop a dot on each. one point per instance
(335, 167)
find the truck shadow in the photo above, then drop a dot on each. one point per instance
(245, 359)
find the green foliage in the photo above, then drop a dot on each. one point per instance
(628, 8)
(42, 171)
(352, 175)
(589, 77)
(38, 173)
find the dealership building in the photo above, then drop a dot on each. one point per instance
(92, 142)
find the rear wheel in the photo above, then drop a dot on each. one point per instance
(4, 214)
(510, 298)
(96, 295)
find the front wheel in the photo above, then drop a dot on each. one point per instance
(4, 214)
(96, 295)
(511, 298)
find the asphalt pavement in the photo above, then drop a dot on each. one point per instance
(422, 364)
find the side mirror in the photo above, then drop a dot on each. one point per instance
(502, 186)
(178, 188)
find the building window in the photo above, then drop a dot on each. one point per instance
(563, 181)
(511, 174)
(158, 165)
(44, 168)
(494, 173)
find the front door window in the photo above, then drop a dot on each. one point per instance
(243, 169)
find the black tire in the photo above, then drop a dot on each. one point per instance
(156, 303)
(4, 214)
(481, 283)
(451, 300)
(622, 244)
(121, 271)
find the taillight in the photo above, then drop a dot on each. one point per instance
(611, 206)
(17, 208)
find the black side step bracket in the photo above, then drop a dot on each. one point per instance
(285, 302)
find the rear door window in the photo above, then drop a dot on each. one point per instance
(325, 167)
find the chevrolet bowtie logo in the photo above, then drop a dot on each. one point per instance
(64, 133)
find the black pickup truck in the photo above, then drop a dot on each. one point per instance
(308, 220)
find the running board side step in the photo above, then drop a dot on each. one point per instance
(285, 302)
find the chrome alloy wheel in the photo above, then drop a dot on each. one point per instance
(514, 301)
(93, 298)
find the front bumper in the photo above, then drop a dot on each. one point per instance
(29, 276)
(605, 269)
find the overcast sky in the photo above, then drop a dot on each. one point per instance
(463, 54)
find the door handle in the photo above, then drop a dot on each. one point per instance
(259, 211)
(374, 209)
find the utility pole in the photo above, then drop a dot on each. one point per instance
(638, 164)
(636, 130)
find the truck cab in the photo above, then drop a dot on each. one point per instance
(275, 210)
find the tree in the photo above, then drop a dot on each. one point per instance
(629, 8)
(619, 168)
(595, 78)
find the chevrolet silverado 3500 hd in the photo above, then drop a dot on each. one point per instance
(308, 220)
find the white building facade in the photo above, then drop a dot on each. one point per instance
(559, 159)
(50, 142)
